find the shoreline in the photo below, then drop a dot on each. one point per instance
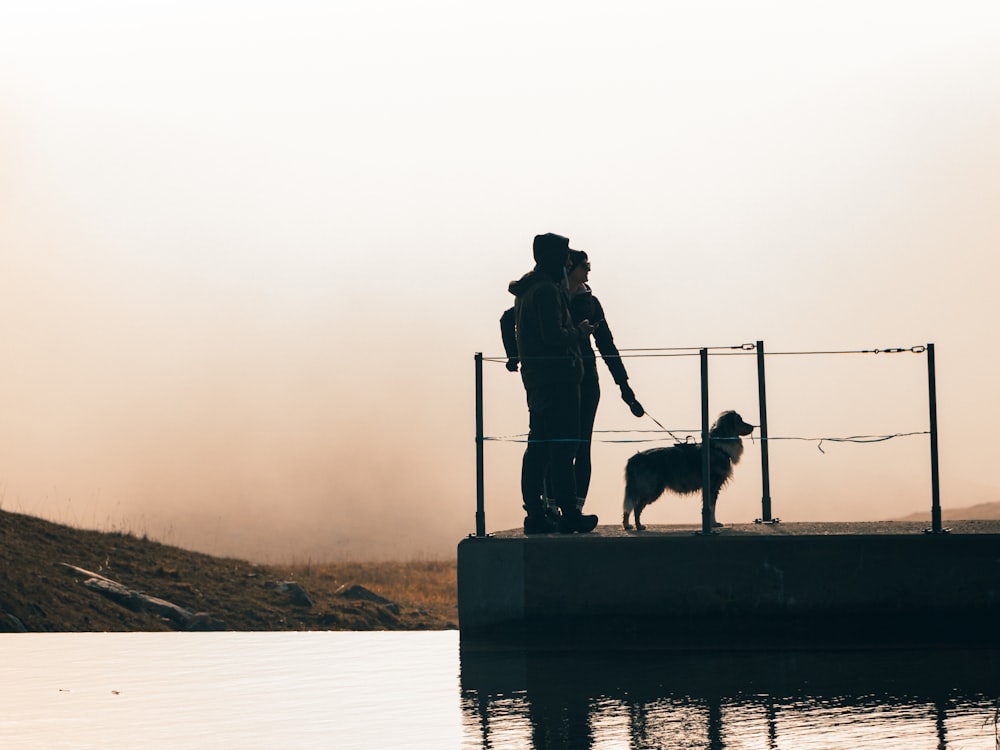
(50, 576)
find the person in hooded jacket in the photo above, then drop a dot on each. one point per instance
(584, 306)
(548, 349)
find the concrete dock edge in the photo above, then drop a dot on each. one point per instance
(747, 589)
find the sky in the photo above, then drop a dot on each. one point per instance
(248, 252)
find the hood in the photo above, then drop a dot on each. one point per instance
(523, 284)
(550, 251)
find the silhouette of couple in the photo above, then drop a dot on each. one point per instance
(548, 333)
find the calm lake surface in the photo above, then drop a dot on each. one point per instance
(422, 690)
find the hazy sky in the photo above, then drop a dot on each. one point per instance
(250, 249)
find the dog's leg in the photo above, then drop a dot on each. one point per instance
(627, 504)
(638, 525)
(715, 524)
(625, 524)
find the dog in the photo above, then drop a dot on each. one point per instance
(678, 468)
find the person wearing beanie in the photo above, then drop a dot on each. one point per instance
(548, 349)
(583, 305)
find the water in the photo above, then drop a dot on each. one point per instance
(795, 700)
(421, 690)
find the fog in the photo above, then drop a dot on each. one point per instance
(242, 287)
(232, 430)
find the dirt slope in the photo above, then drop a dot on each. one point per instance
(38, 592)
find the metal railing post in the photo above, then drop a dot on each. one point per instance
(480, 492)
(765, 466)
(706, 466)
(935, 477)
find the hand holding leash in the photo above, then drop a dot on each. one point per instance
(628, 396)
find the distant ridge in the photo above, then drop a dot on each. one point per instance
(979, 512)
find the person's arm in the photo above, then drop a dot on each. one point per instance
(612, 358)
(508, 333)
(606, 346)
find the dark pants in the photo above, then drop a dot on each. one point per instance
(590, 396)
(553, 439)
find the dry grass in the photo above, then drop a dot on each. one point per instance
(431, 584)
(40, 594)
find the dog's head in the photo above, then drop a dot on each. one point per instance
(730, 424)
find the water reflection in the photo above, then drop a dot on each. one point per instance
(879, 699)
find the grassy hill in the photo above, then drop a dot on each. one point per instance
(40, 592)
(978, 512)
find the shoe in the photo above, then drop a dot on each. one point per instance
(539, 525)
(578, 523)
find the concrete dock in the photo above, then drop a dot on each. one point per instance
(784, 585)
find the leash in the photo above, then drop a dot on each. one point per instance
(685, 440)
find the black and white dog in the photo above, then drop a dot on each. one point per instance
(678, 468)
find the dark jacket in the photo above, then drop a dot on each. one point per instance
(547, 341)
(583, 306)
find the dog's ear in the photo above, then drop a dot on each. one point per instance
(725, 421)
